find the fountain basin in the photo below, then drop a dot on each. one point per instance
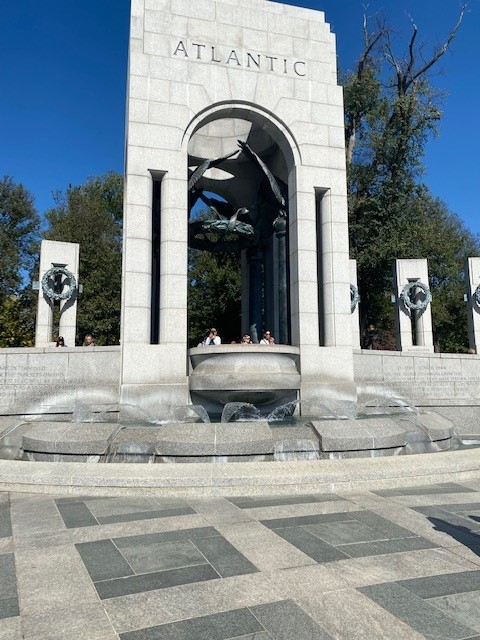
(266, 376)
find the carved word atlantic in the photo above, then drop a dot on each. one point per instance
(239, 58)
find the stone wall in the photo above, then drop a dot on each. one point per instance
(426, 379)
(55, 380)
(51, 380)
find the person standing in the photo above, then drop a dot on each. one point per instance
(89, 341)
(267, 338)
(212, 339)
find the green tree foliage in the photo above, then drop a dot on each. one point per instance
(17, 320)
(19, 223)
(91, 214)
(391, 109)
(214, 285)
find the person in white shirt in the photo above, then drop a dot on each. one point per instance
(212, 339)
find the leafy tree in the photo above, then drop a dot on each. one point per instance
(390, 111)
(19, 223)
(214, 285)
(91, 214)
(17, 320)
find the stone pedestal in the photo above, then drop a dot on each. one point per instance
(355, 315)
(414, 327)
(472, 281)
(57, 254)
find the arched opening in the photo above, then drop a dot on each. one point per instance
(238, 228)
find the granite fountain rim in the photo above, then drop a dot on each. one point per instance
(241, 478)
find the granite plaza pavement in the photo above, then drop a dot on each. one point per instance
(392, 563)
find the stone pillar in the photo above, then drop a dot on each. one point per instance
(57, 254)
(355, 313)
(255, 295)
(472, 281)
(409, 321)
(280, 232)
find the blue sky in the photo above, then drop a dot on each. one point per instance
(63, 72)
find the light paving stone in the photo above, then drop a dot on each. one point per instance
(6, 545)
(189, 601)
(262, 547)
(42, 540)
(219, 511)
(52, 579)
(349, 614)
(74, 623)
(11, 629)
(472, 555)
(38, 517)
(301, 581)
(358, 572)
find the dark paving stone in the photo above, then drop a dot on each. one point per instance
(286, 621)
(417, 613)
(8, 582)
(167, 536)
(443, 585)
(311, 545)
(459, 528)
(5, 522)
(460, 506)
(156, 580)
(103, 560)
(462, 515)
(462, 607)
(76, 514)
(160, 557)
(220, 626)
(383, 526)
(253, 503)
(442, 514)
(298, 521)
(382, 547)
(9, 608)
(67, 499)
(447, 487)
(224, 558)
(344, 532)
(145, 515)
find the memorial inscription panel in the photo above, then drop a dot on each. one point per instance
(420, 378)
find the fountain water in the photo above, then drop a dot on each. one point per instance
(241, 411)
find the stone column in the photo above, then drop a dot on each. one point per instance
(280, 232)
(57, 254)
(472, 281)
(355, 313)
(255, 294)
(409, 321)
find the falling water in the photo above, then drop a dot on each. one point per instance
(295, 450)
(285, 411)
(241, 411)
(185, 414)
(142, 452)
